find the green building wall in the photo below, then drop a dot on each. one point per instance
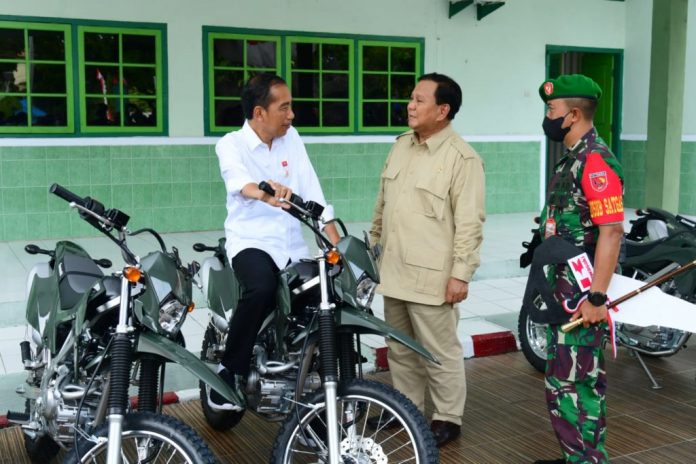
(178, 187)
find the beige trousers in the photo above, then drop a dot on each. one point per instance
(434, 327)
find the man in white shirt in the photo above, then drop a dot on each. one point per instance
(261, 238)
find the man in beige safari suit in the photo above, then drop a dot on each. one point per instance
(428, 220)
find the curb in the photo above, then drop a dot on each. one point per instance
(475, 346)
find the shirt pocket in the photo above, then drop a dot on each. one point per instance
(431, 197)
(389, 176)
(428, 266)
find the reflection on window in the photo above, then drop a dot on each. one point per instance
(388, 75)
(121, 76)
(234, 60)
(34, 78)
(319, 72)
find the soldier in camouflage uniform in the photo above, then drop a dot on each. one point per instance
(585, 207)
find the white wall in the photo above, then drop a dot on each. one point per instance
(499, 61)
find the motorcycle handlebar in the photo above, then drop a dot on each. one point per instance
(266, 187)
(66, 194)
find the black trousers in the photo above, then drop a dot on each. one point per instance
(258, 276)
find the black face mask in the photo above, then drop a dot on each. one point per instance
(553, 130)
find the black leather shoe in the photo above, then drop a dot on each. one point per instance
(444, 432)
(550, 461)
(385, 422)
(217, 402)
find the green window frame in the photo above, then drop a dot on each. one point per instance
(241, 56)
(121, 96)
(388, 73)
(42, 100)
(322, 84)
(323, 90)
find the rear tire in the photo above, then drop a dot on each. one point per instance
(532, 339)
(219, 420)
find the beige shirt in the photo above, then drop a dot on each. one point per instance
(429, 216)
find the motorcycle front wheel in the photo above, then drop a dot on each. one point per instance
(146, 438)
(303, 437)
(532, 338)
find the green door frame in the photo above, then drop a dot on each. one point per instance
(618, 79)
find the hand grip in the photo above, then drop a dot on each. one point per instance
(266, 187)
(66, 194)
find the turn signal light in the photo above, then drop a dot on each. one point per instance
(333, 257)
(132, 274)
(190, 307)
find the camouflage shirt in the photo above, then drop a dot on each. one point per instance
(585, 191)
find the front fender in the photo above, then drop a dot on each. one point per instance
(363, 322)
(155, 344)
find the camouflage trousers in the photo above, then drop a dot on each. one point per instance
(575, 396)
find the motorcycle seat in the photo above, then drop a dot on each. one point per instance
(634, 248)
(78, 275)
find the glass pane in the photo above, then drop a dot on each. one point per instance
(335, 85)
(375, 86)
(335, 114)
(403, 59)
(375, 58)
(139, 81)
(13, 111)
(375, 114)
(229, 83)
(228, 113)
(305, 56)
(261, 54)
(48, 78)
(402, 86)
(13, 77)
(11, 43)
(335, 56)
(399, 114)
(101, 47)
(228, 52)
(103, 112)
(49, 111)
(305, 85)
(140, 112)
(47, 45)
(139, 49)
(306, 114)
(102, 79)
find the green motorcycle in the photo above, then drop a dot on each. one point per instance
(306, 367)
(92, 336)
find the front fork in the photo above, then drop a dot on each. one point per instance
(120, 376)
(329, 366)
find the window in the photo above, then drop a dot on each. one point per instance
(234, 59)
(120, 76)
(388, 73)
(319, 75)
(340, 84)
(35, 78)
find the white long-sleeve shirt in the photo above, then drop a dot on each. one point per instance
(245, 159)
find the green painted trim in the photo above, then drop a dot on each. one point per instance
(289, 41)
(285, 36)
(30, 129)
(159, 128)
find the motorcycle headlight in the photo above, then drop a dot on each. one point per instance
(365, 292)
(171, 314)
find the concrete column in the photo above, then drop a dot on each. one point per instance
(666, 104)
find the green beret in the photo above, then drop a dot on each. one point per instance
(570, 86)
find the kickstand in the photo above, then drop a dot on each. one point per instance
(655, 385)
